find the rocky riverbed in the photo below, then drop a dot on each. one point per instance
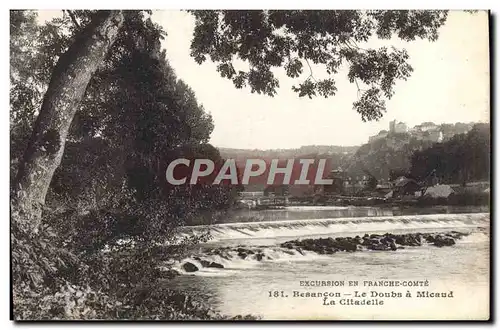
(322, 246)
(386, 242)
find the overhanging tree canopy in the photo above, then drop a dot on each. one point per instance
(263, 39)
(293, 39)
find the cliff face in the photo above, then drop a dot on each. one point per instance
(394, 150)
(381, 156)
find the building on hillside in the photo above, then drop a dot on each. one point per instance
(397, 127)
(440, 190)
(436, 136)
(427, 132)
(354, 184)
(343, 184)
(428, 126)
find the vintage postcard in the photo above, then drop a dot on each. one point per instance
(250, 165)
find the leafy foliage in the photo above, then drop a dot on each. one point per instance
(267, 39)
(466, 157)
(32, 58)
(108, 194)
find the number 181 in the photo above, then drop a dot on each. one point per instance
(276, 294)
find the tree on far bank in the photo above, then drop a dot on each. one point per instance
(464, 158)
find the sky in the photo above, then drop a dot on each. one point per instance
(450, 83)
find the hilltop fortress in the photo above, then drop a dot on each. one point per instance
(425, 131)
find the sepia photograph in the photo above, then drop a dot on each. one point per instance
(250, 165)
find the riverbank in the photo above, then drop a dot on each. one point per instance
(236, 270)
(456, 199)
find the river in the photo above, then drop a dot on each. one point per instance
(248, 286)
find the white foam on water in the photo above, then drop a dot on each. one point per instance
(476, 224)
(235, 264)
(314, 227)
(476, 237)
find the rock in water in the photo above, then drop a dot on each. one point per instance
(429, 238)
(215, 265)
(350, 247)
(204, 263)
(441, 241)
(189, 267)
(379, 247)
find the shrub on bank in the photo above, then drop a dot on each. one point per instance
(56, 278)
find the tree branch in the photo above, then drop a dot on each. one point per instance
(310, 71)
(73, 18)
(359, 89)
(355, 44)
(356, 81)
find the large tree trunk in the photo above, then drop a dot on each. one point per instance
(67, 86)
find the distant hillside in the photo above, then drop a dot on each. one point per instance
(385, 152)
(339, 156)
(393, 151)
(284, 153)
